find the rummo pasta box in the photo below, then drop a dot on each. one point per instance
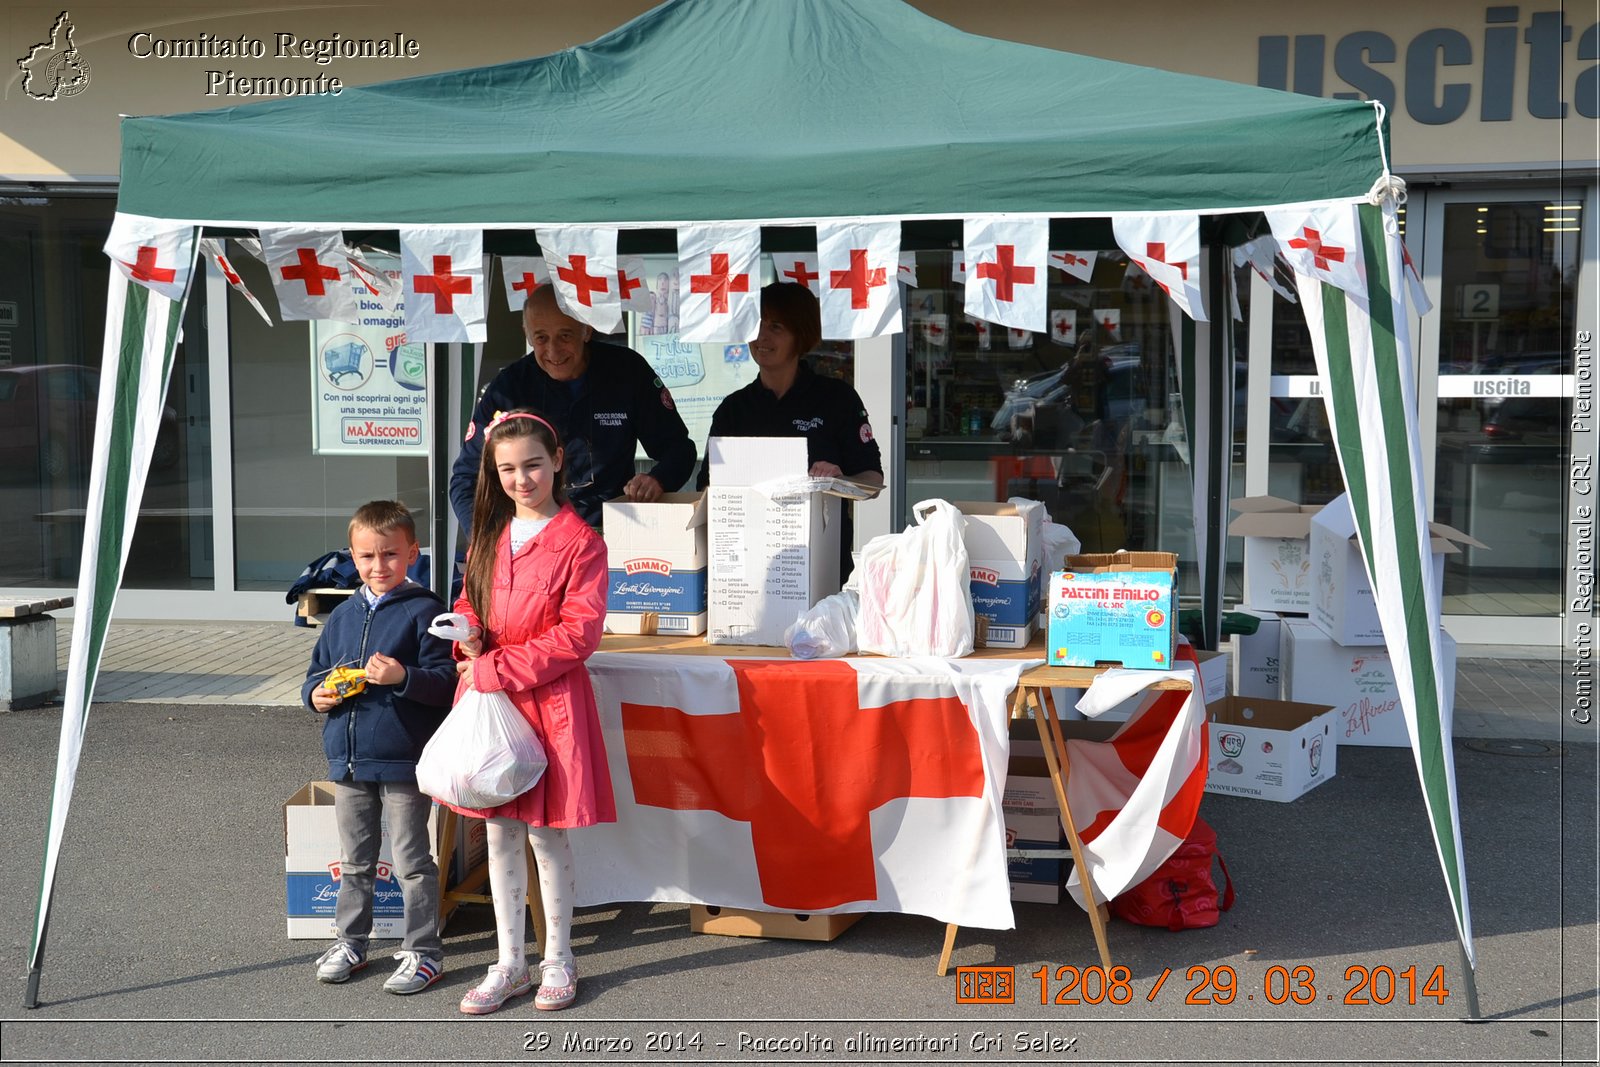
(1005, 547)
(1114, 608)
(656, 564)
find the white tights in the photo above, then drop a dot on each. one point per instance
(508, 884)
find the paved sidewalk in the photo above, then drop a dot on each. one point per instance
(1501, 691)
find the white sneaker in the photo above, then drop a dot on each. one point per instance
(416, 972)
(340, 962)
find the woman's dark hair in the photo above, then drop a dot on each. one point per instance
(796, 307)
(492, 508)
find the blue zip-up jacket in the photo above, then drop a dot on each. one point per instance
(377, 735)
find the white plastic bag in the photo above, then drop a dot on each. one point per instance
(1059, 543)
(915, 587)
(828, 629)
(483, 754)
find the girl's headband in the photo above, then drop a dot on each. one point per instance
(502, 416)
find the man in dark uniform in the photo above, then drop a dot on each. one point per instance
(603, 398)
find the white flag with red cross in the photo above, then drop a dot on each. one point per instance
(310, 274)
(153, 253)
(1108, 323)
(1166, 247)
(719, 299)
(1419, 292)
(522, 275)
(958, 266)
(798, 268)
(983, 330)
(1006, 260)
(631, 287)
(1074, 263)
(371, 283)
(583, 271)
(1321, 241)
(858, 263)
(1019, 339)
(1064, 326)
(212, 248)
(936, 330)
(1261, 253)
(907, 275)
(442, 268)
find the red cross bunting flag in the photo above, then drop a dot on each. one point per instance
(1005, 270)
(1075, 264)
(958, 267)
(798, 268)
(583, 271)
(1419, 292)
(1321, 242)
(936, 330)
(442, 268)
(522, 275)
(153, 253)
(1166, 247)
(310, 274)
(1019, 339)
(858, 263)
(1261, 253)
(907, 275)
(719, 283)
(1108, 323)
(212, 248)
(373, 284)
(984, 331)
(1064, 327)
(631, 287)
(817, 787)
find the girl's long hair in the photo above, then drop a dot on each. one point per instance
(492, 509)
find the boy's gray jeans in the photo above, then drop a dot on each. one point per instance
(358, 808)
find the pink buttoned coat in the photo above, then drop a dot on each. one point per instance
(546, 616)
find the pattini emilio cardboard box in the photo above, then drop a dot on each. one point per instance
(1005, 548)
(311, 867)
(1277, 553)
(1341, 602)
(656, 565)
(1257, 666)
(1357, 680)
(1212, 686)
(1269, 749)
(1114, 608)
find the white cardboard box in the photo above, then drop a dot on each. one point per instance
(1257, 670)
(1269, 749)
(1005, 551)
(1213, 674)
(770, 559)
(1342, 603)
(1277, 555)
(1033, 821)
(1357, 680)
(656, 565)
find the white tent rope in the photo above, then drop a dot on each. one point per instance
(1388, 188)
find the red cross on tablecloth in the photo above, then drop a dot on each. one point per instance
(859, 279)
(1322, 255)
(577, 275)
(444, 284)
(719, 283)
(310, 271)
(801, 274)
(1005, 273)
(805, 766)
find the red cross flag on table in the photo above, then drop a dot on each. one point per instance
(719, 294)
(212, 248)
(1074, 264)
(1108, 323)
(1166, 247)
(631, 287)
(1005, 270)
(798, 268)
(310, 274)
(1064, 327)
(522, 275)
(858, 263)
(583, 272)
(1321, 242)
(153, 253)
(814, 787)
(907, 275)
(443, 271)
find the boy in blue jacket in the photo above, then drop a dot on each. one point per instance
(373, 736)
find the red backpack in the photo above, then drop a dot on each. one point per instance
(1181, 894)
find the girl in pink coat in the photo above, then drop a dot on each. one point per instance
(535, 595)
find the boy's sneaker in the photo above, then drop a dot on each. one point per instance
(340, 962)
(415, 973)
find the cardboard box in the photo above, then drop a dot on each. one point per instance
(1257, 670)
(1033, 821)
(1342, 603)
(1117, 608)
(1213, 674)
(770, 559)
(1269, 749)
(311, 868)
(1277, 553)
(735, 922)
(1357, 680)
(1005, 550)
(656, 564)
